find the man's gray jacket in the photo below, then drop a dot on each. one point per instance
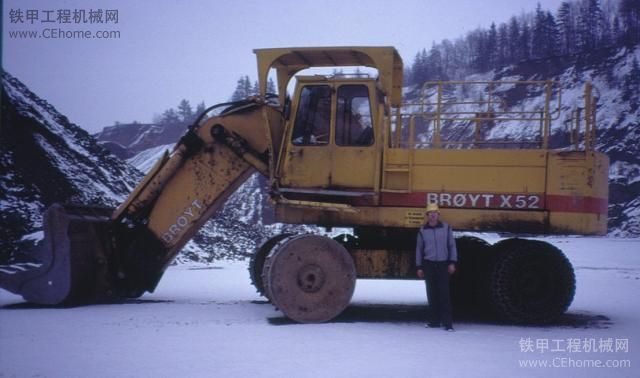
(435, 244)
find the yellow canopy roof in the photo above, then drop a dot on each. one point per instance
(288, 61)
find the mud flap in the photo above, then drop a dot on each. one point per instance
(70, 266)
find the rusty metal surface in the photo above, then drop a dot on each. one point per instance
(384, 263)
(310, 278)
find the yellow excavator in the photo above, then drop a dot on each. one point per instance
(347, 151)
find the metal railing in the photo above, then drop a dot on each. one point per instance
(464, 114)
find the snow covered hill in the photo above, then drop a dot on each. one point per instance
(134, 138)
(618, 124)
(44, 158)
(145, 159)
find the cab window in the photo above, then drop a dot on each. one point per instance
(353, 116)
(313, 116)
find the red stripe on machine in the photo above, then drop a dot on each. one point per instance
(577, 204)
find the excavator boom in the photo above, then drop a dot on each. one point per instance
(94, 255)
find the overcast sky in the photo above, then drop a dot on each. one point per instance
(168, 50)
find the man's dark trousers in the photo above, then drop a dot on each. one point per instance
(437, 281)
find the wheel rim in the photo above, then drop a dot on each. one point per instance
(311, 278)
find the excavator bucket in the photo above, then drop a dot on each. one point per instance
(69, 267)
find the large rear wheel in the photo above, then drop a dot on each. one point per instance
(469, 293)
(530, 282)
(310, 278)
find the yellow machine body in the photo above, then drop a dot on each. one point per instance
(347, 150)
(482, 185)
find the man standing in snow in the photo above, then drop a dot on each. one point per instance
(436, 258)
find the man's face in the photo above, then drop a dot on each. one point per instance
(432, 216)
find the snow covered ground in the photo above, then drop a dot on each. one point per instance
(209, 322)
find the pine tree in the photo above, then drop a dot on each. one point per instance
(525, 42)
(514, 40)
(271, 87)
(544, 41)
(629, 12)
(552, 35)
(185, 111)
(238, 93)
(436, 68)
(567, 28)
(200, 108)
(449, 64)
(420, 68)
(492, 46)
(246, 86)
(169, 116)
(589, 25)
(243, 89)
(478, 47)
(538, 34)
(502, 49)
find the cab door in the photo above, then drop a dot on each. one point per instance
(332, 145)
(307, 160)
(353, 163)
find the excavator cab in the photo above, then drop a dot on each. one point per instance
(332, 129)
(332, 148)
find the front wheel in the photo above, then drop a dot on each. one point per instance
(310, 278)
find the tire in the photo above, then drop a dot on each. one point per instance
(256, 263)
(531, 282)
(468, 293)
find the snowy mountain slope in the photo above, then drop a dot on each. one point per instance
(618, 127)
(44, 158)
(618, 131)
(145, 159)
(137, 137)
